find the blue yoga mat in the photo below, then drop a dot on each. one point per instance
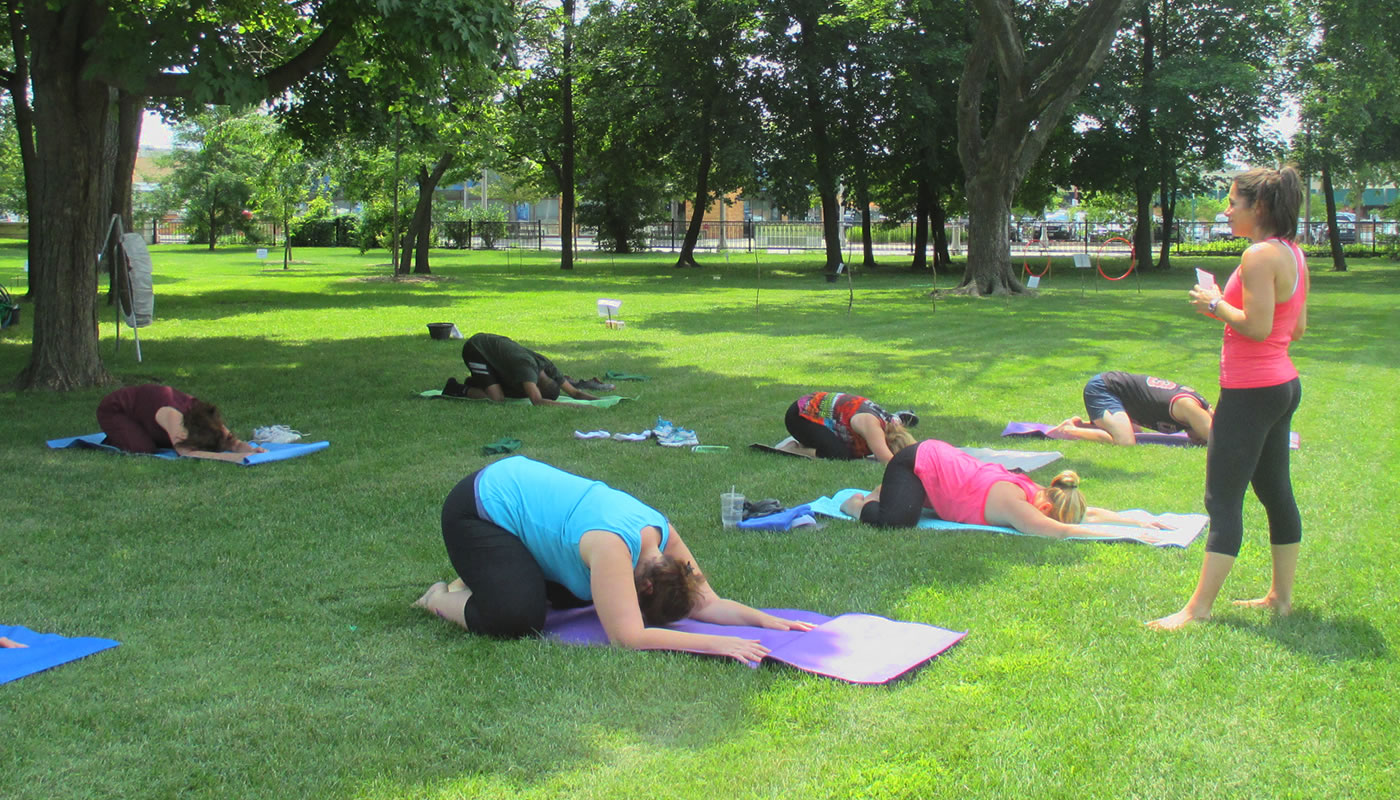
(45, 650)
(1184, 527)
(275, 452)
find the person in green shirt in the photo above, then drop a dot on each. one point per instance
(500, 368)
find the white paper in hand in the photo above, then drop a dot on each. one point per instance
(1204, 278)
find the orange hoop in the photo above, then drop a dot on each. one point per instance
(1132, 259)
(1026, 265)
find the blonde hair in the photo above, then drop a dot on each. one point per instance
(1066, 501)
(898, 437)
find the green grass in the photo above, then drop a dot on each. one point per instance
(269, 650)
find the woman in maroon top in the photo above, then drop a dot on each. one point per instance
(143, 419)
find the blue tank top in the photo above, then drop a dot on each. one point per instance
(550, 510)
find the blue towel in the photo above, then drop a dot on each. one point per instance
(781, 521)
(275, 451)
(45, 650)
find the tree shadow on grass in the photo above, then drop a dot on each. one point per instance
(1325, 638)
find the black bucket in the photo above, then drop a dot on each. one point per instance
(441, 330)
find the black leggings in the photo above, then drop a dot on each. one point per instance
(510, 594)
(901, 494)
(1249, 446)
(814, 434)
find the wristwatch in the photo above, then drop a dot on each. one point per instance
(1213, 304)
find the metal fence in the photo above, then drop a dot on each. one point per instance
(1362, 237)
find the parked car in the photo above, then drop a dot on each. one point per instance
(1057, 225)
(1346, 229)
(1220, 231)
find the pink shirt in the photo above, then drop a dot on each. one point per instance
(956, 485)
(1247, 364)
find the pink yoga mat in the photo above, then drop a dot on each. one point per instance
(856, 648)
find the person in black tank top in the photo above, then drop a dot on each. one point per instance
(1119, 404)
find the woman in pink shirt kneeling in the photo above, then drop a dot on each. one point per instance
(960, 488)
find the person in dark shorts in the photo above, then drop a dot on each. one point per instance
(143, 419)
(500, 367)
(1121, 403)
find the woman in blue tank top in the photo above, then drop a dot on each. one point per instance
(524, 536)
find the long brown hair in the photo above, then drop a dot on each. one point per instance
(1276, 195)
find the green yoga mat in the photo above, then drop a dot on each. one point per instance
(602, 402)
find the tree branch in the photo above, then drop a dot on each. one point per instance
(277, 79)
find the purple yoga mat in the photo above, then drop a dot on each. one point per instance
(856, 648)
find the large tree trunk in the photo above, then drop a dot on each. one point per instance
(1145, 192)
(920, 262)
(1339, 259)
(421, 228)
(1033, 93)
(569, 131)
(75, 145)
(989, 268)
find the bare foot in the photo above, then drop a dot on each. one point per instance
(1281, 607)
(458, 585)
(7, 642)
(1176, 621)
(422, 602)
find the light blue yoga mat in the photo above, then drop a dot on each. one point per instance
(1184, 527)
(607, 401)
(275, 451)
(45, 650)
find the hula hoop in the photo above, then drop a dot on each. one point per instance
(1132, 259)
(1026, 265)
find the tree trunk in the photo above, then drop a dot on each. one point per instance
(989, 268)
(702, 194)
(213, 227)
(422, 225)
(75, 146)
(826, 178)
(1339, 259)
(867, 245)
(130, 109)
(938, 222)
(1168, 201)
(1145, 182)
(568, 131)
(19, 87)
(920, 227)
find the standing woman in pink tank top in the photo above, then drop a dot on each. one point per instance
(1264, 308)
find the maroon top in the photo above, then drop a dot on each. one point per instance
(139, 404)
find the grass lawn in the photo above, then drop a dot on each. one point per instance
(269, 649)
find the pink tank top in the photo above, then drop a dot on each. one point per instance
(1247, 364)
(956, 485)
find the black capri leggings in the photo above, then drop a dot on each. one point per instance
(510, 594)
(1249, 446)
(814, 434)
(901, 494)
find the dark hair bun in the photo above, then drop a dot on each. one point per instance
(1069, 479)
